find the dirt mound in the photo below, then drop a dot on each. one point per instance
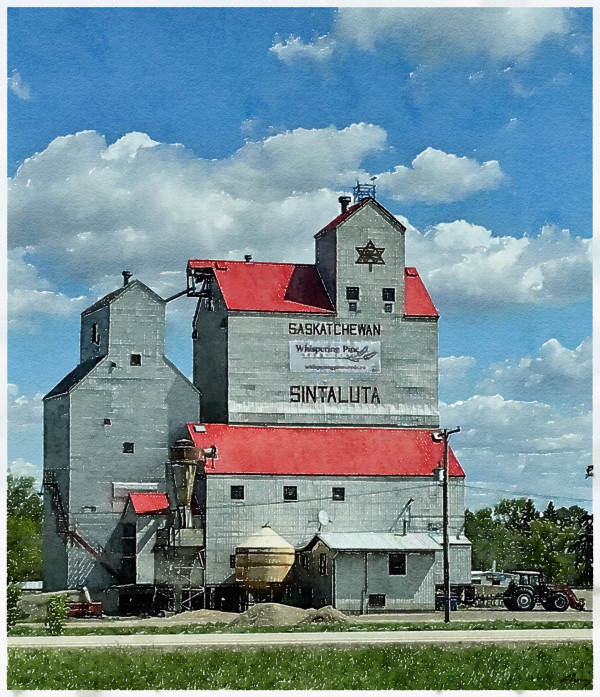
(269, 615)
(200, 617)
(324, 615)
(33, 605)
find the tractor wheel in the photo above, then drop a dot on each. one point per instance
(560, 602)
(524, 601)
(509, 603)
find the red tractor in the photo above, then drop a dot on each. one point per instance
(530, 588)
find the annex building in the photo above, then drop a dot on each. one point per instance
(299, 464)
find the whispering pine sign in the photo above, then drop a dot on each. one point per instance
(336, 356)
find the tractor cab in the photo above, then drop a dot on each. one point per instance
(529, 578)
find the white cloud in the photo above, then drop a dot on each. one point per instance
(292, 48)
(23, 468)
(18, 87)
(439, 177)
(511, 426)
(433, 34)
(455, 366)
(510, 447)
(556, 373)
(30, 296)
(87, 210)
(467, 268)
(24, 413)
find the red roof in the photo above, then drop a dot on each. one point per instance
(149, 503)
(268, 287)
(271, 287)
(417, 301)
(294, 450)
(342, 216)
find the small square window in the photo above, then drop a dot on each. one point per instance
(237, 493)
(232, 561)
(290, 493)
(389, 294)
(397, 564)
(388, 307)
(338, 493)
(352, 293)
(377, 599)
(107, 422)
(135, 359)
(352, 307)
(128, 447)
(323, 565)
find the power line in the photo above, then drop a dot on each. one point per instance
(525, 493)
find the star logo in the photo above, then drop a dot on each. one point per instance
(370, 254)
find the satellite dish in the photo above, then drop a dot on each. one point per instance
(323, 518)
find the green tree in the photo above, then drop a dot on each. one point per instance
(516, 514)
(22, 500)
(13, 595)
(56, 614)
(582, 548)
(23, 530)
(550, 512)
(549, 551)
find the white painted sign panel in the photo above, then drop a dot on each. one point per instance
(335, 357)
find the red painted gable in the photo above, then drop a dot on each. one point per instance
(149, 503)
(417, 301)
(289, 450)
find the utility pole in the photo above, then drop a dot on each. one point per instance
(442, 437)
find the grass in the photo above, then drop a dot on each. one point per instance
(221, 628)
(562, 667)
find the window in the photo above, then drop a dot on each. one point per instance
(88, 509)
(290, 493)
(323, 565)
(237, 493)
(128, 529)
(95, 334)
(305, 561)
(353, 307)
(388, 307)
(389, 295)
(352, 293)
(107, 422)
(397, 564)
(377, 600)
(135, 359)
(128, 447)
(338, 493)
(232, 561)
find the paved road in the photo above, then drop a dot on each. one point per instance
(330, 639)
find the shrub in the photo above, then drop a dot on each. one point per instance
(56, 614)
(13, 595)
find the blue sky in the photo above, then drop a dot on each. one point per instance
(140, 137)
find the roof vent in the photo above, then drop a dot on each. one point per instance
(344, 202)
(126, 276)
(247, 258)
